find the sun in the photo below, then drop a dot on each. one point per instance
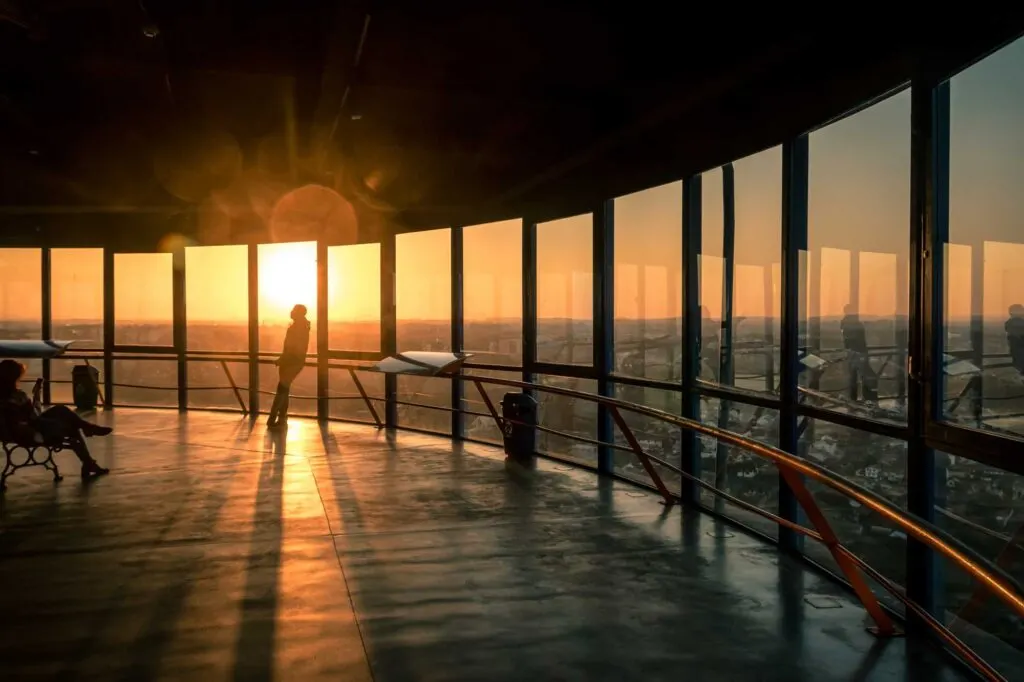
(287, 274)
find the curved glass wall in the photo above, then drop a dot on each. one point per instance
(810, 303)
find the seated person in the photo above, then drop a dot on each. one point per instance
(26, 423)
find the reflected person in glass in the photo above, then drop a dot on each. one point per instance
(25, 422)
(291, 362)
(1015, 336)
(858, 359)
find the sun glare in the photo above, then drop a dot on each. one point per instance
(287, 277)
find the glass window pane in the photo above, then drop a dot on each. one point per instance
(143, 299)
(856, 272)
(21, 293)
(480, 425)
(423, 291)
(287, 277)
(751, 360)
(217, 298)
(735, 471)
(984, 260)
(568, 415)
(76, 281)
(347, 403)
(875, 462)
(657, 438)
(353, 297)
(648, 283)
(492, 292)
(980, 506)
(146, 382)
(565, 291)
(210, 387)
(425, 391)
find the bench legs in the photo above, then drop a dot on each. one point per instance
(30, 459)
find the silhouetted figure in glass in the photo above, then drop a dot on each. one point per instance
(291, 362)
(1015, 336)
(25, 423)
(858, 361)
(709, 351)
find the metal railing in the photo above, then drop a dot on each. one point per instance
(794, 470)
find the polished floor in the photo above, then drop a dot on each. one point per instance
(218, 552)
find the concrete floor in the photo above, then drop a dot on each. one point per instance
(216, 552)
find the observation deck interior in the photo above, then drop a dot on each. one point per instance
(340, 552)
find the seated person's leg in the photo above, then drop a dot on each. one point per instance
(70, 418)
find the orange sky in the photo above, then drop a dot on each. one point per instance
(859, 198)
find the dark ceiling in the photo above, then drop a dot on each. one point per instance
(422, 115)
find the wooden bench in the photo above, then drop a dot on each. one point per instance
(32, 457)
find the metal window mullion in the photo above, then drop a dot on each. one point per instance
(46, 288)
(389, 322)
(458, 337)
(529, 284)
(725, 355)
(253, 300)
(690, 403)
(795, 168)
(323, 340)
(604, 325)
(108, 327)
(178, 323)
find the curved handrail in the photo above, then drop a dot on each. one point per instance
(1008, 590)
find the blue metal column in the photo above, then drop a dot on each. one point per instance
(108, 328)
(46, 287)
(458, 329)
(604, 326)
(690, 447)
(794, 245)
(253, 294)
(388, 323)
(929, 169)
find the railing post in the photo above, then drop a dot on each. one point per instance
(795, 164)
(388, 321)
(604, 326)
(108, 328)
(253, 297)
(690, 446)
(46, 287)
(458, 330)
(323, 341)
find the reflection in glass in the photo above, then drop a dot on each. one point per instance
(741, 226)
(76, 281)
(143, 299)
(982, 507)
(565, 289)
(422, 392)
(353, 297)
(984, 259)
(21, 303)
(854, 279)
(648, 283)
(216, 300)
(347, 403)
(423, 292)
(657, 438)
(492, 292)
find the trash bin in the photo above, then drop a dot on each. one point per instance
(85, 386)
(519, 435)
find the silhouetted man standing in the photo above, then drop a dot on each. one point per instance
(855, 341)
(291, 362)
(1015, 336)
